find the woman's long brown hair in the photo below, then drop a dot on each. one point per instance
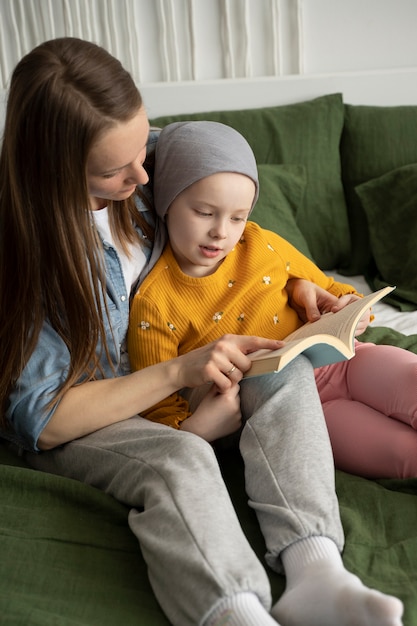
(62, 95)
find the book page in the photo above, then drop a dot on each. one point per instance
(342, 323)
(328, 324)
(328, 340)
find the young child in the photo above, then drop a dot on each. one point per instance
(221, 273)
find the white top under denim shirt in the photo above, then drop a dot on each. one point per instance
(48, 365)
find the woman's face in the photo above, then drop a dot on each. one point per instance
(115, 163)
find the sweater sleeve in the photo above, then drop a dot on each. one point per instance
(300, 266)
(151, 340)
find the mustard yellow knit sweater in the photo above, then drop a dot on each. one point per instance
(173, 313)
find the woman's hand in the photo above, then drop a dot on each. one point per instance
(100, 403)
(217, 415)
(222, 362)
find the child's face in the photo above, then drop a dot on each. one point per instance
(207, 220)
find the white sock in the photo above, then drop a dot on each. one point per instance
(321, 592)
(242, 609)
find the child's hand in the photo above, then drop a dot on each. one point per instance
(309, 300)
(217, 415)
(366, 317)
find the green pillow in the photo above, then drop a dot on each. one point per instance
(390, 204)
(308, 134)
(375, 141)
(68, 556)
(281, 193)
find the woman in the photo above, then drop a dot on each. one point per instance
(75, 242)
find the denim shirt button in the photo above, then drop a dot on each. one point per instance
(123, 298)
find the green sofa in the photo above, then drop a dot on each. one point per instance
(340, 182)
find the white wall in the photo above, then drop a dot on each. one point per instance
(210, 40)
(349, 35)
(206, 39)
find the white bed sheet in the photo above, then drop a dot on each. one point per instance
(385, 314)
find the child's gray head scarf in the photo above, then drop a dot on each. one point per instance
(186, 152)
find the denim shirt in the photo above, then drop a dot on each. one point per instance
(47, 368)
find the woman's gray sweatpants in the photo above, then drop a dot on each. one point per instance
(180, 510)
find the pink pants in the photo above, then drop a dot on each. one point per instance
(370, 406)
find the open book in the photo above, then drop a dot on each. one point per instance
(328, 340)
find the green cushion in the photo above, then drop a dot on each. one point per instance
(281, 193)
(390, 205)
(307, 134)
(375, 140)
(68, 556)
